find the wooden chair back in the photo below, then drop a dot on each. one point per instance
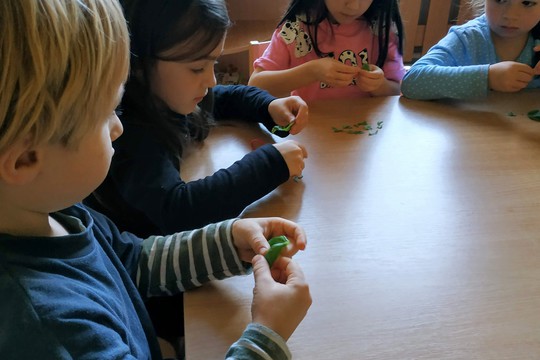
(425, 22)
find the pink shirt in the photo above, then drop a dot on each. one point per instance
(291, 46)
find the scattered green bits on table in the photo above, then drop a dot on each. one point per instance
(358, 128)
(276, 244)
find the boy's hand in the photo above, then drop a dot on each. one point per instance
(332, 72)
(371, 80)
(509, 76)
(281, 296)
(251, 236)
(287, 109)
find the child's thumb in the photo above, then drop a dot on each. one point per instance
(261, 270)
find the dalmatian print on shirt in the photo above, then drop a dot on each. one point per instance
(291, 32)
(349, 57)
(303, 44)
(363, 57)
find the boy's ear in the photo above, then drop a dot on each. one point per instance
(19, 164)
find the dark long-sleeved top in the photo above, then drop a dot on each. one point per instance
(144, 194)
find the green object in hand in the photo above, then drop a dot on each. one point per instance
(534, 115)
(283, 128)
(276, 244)
(365, 66)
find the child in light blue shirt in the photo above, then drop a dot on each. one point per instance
(496, 51)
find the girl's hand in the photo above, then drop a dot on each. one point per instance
(291, 108)
(332, 72)
(372, 80)
(250, 236)
(509, 76)
(281, 297)
(294, 154)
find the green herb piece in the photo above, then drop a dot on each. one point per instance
(534, 115)
(357, 128)
(365, 66)
(359, 124)
(276, 244)
(286, 128)
(510, 113)
(373, 133)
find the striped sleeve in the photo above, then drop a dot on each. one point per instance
(175, 263)
(259, 343)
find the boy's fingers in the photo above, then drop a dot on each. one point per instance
(291, 269)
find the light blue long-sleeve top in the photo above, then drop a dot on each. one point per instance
(457, 66)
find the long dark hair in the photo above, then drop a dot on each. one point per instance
(383, 15)
(535, 32)
(169, 30)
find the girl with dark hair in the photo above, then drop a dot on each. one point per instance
(498, 51)
(325, 49)
(170, 102)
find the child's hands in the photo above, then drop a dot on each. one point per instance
(509, 76)
(294, 154)
(371, 80)
(332, 72)
(250, 236)
(281, 297)
(291, 108)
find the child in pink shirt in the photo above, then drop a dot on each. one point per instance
(327, 49)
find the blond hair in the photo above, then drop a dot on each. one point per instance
(61, 65)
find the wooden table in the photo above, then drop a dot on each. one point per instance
(423, 239)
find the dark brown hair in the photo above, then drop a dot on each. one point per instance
(169, 30)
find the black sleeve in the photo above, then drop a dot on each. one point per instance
(241, 102)
(148, 180)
